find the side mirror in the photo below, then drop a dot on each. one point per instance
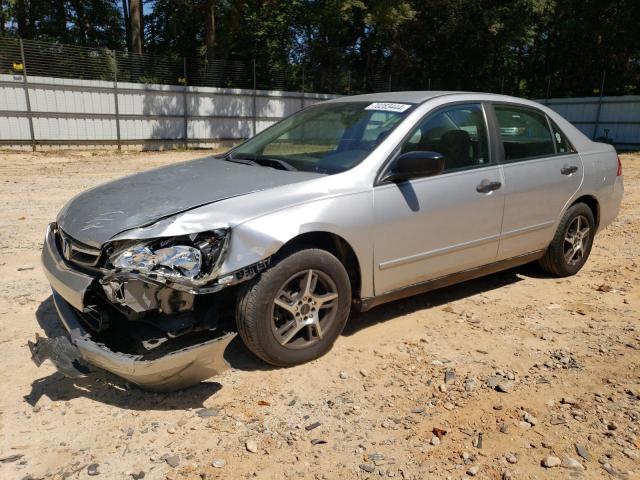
(416, 164)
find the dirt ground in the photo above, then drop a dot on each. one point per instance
(566, 352)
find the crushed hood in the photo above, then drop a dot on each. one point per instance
(96, 215)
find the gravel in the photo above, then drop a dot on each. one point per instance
(251, 446)
(551, 462)
(382, 414)
(582, 451)
(92, 470)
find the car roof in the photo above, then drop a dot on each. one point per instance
(396, 97)
(417, 97)
(580, 141)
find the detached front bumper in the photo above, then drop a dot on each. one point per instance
(176, 369)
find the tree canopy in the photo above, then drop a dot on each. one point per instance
(530, 48)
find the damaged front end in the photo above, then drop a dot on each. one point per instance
(153, 312)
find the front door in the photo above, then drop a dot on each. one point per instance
(542, 172)
(431, 227)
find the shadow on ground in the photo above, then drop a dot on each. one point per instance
(442, 296)
(240, 358)
(111, 390)
(106, 388)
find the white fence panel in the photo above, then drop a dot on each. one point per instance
(136, 99)
(220, 128)
(53, 99)
(72, 129)
(615, 118)
(151, 129)
(14, 128)
(72, 111)
(12, 98)
(76, 111)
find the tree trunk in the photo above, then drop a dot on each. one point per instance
(127, 20)
(141, 25)
(232, 26)
(210, 29)
(21, 19)
(3, 18)
(136, 25)
(61, 20)
(82, 21)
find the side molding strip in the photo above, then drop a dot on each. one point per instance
(531, 228)
(368, 303)
(434, 253)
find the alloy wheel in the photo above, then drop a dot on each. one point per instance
(304, 308)
(576, 240)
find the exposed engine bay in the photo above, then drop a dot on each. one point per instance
(160, 290)
(146, 304)
(156, 291)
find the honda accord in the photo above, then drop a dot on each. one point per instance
(342, 206)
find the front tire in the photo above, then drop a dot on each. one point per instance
(294, 312)
(572, 242)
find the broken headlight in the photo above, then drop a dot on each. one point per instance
(193, 258)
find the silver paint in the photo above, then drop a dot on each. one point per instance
(95, 216)
(345, 204)
(401, 233)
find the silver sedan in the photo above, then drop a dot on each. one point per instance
(342, 206)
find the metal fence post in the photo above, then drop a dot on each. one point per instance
(25, 82)
(302, 94)
(115, 98)
(185, 107)
(548, 87)
(254, 100)
(596, 123)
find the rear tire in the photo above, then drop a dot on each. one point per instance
(294, 312)
(572, 242)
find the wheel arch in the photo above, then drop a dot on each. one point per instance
(592, 203)
(334, 244)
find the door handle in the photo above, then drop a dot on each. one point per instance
(568, 169)
(487, 186)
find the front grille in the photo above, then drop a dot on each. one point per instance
(77, 252)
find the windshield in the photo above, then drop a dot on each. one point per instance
(326, 138)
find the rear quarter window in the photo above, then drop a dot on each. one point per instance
(562, 143)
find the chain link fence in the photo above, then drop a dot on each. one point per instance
(44, 59)
(70, 61)
(53, 94)
(172, 91)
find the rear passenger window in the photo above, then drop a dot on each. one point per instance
(562, 144)
(459, 133)
(525, 133)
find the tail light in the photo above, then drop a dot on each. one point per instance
(619, 174)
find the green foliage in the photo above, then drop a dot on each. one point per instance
(95, 23)
(522, 47)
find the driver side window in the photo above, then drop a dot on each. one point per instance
(459, 133)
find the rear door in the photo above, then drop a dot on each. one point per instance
(542, 172)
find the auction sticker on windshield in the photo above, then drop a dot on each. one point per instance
(389, 107)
